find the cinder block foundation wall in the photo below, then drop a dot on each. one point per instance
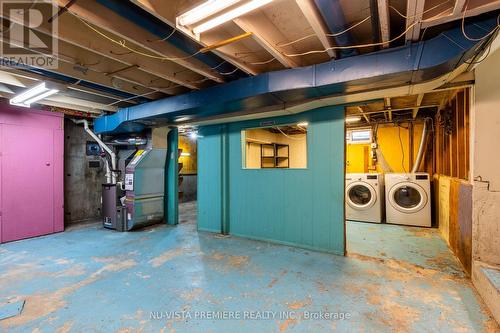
(82, 184)
(300, 207)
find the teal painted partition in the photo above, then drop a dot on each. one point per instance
(298, 207)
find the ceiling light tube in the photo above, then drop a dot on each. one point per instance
(352, 119)
(41, 96)
(204, 10)
(32, 95)
(28, 94)
(230, 15)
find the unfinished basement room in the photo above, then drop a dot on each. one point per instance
(184, 166)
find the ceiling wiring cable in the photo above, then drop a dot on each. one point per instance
(123, 44)
(481, 38)
(290, 137)
(327, 35)
(423, 12)
(222, 63)
(230, 73)
(261, 62)
(164, 38)
(351, 46)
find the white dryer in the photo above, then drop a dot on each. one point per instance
(364, 197)
(408, 199)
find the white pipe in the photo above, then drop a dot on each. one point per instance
(110, 174)
(420, 149)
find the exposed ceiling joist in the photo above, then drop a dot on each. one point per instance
(384, 21)
(458, 13)
(266, 34)
(414, 13)
(458, 7)
(420, 97)
(22, 79)
(364, 114)
(162, 10)
(312, 16)
(388, 106)
(109, 21)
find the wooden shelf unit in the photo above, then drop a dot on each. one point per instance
(274, 155)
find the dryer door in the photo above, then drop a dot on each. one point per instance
(360, 195)
(407, 197)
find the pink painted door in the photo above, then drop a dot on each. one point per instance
(27, 181)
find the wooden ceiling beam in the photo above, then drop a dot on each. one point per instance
(312, 16)
(66, 68)
(420, 98)
(108, 21)
(364, 114)
(25, 79)
(72, 34)
(414, 13)
(388, 107)
(162, 10)
(457, 13)
(267, 36)
(384, 22)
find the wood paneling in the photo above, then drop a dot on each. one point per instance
(452, 137)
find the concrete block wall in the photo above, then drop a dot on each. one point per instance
(82, 184)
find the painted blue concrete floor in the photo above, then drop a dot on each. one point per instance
(88, 279)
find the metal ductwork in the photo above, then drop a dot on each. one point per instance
(330, 83)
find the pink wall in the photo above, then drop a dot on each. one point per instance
(31, 173)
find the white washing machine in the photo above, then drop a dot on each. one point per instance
(364, 197)
(408, 199)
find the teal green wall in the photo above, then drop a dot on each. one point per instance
(300, 207)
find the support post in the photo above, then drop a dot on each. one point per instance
(171, 211)
(225, 180)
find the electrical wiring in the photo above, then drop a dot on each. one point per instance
(261, 62)
(481, 38)
(164, 38)
(229, 73)
(291, 138)
(123, 44)
(352, 46)
(328, 35)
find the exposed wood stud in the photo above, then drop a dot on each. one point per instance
(365, 115)
(311, 14)
(262, 31)
(414, 13)
(384, 21)
(420, 97)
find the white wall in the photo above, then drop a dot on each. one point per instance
(486, 159)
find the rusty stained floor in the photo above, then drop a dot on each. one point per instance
(88, 279)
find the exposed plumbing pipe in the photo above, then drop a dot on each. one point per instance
(420, 149)
(110, 173)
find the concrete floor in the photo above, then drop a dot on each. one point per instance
(92, 280)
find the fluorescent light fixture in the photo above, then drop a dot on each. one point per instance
(185, 154)
(230, 15)
(204, 10)
(303, 124)
(32, 95)
(352, 119)
(193, 135)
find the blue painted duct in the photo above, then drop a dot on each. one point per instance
(397, 67)
(333, 15)
(178, 39)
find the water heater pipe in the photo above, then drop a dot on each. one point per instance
(421, 149)
(110, 174)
